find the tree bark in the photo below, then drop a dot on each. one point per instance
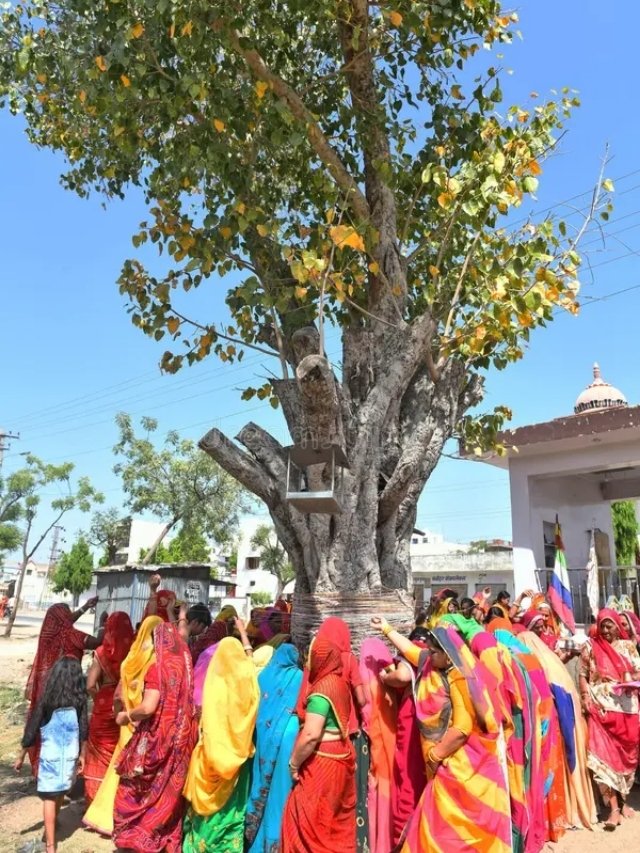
(148, 557)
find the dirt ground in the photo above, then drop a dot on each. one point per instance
(21, 810)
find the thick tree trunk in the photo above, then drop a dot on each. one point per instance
(148, 557)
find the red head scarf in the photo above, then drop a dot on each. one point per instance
(531, 618)
(213, 634)
(609, 662)
(117, 640)
(337, 632)
(325, 678)
(58, 638)
(634, 625)
(165, 599)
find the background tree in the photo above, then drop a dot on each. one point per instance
(35, 479)
(73, 571)
(12, 492)
(261, 599)
(109, 531)
(625, 532)
(352, 165)
(273, 557)
(176, 483)
(188, 546)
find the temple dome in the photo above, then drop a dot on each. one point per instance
(599, 395)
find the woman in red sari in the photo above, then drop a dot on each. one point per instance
(149, 807)
(58, 639)
(102, 681)
(610, 658)
(320, 815)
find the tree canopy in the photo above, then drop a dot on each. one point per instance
(177, 483)
(110, 531)
(31, 483)
(273, 557)
(625, 531)
(344, 164)
(73, 571)
(188, 546)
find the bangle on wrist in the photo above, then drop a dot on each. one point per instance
(387, 630)
(293, 767)
(248, 648)
(433, 758)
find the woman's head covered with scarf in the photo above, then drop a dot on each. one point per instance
(609, 628)
(117, 640)
(58, 638)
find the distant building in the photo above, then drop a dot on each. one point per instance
(250, 576)
(437, 565)
(36, 590)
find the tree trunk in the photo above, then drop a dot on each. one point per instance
(17, 593)
(76, 600)
(148, 557)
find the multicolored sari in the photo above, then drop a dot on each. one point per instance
(277, 727)
(103, 729)
(320, 813)
(153, 766)
(582, 803)
(465, 805)
(218, 800)
(379, 720)
(614, 732)
(99, 815)
(58, 638)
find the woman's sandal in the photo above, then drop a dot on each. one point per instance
(608, 827)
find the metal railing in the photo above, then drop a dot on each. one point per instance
(612, 581)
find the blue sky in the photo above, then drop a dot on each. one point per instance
(70, 358)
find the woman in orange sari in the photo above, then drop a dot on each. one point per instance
(102, 681)
(320, 815)
(465, 805)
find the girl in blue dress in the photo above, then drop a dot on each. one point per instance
(60, 717)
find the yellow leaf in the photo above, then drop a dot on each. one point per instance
(374, 267)
(435, 272)
(481, 332)
(300, 292)
(444, 200)
(226, 232)
(470, 4)
(262, 230)
(330, 215)
(137, 30)
(82, 96)
(118, 130)
(172, 31)
(241, 208)
(173, 324)
(101, 63)
(41, 78)
(345, 235)
(187, 29)
(219, 125)
(534, 167)
(456, 93)
(125, 81)
(186, 242)
(261, 88)
(395, 18)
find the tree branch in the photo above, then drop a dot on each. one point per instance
(320, 144)
(240, 465)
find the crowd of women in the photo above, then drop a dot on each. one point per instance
(469, 734)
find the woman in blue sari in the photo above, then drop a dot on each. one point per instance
(277, 727)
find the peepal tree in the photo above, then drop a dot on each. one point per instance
(33, 482)
(176, 483)
(349, 165)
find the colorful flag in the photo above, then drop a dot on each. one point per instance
(559, 591)
(593, 590)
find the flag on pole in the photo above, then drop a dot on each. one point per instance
(593, 590)
(559, 591)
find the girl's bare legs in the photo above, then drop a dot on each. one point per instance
(610, 798)
(50, 808)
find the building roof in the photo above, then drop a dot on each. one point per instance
(599, 395)
(154, 567)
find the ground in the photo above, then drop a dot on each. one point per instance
(21, 811)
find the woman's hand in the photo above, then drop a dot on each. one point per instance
(379, 623)
(295, 772)
(19, 762)
(154, 582)
(122, 719)
(239, 624)
(80, 765)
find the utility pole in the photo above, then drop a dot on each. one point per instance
(54, 554)
(5, 438)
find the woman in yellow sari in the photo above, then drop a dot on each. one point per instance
(99, 815)
(217, 785)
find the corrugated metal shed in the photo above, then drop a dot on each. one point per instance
(127, 587)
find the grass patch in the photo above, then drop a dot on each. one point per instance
(10, 697)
